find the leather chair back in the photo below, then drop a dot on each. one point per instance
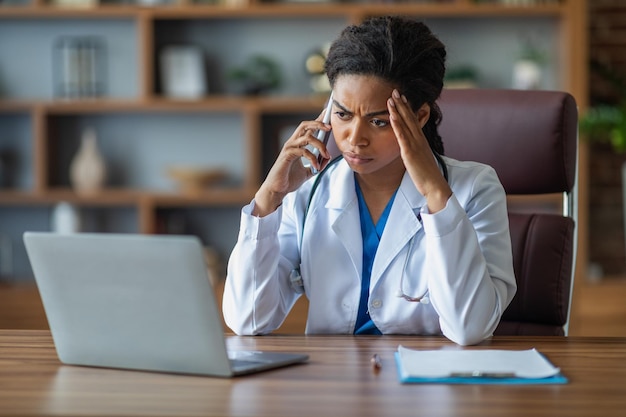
(530, 139)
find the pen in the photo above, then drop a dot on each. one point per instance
(376, 363)
(480, 374)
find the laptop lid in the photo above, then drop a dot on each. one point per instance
(135, 302)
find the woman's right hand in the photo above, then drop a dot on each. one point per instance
(288, 174)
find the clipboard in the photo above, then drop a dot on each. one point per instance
(482, 367)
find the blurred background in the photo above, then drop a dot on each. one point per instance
(163, 116)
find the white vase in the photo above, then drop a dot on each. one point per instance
(87, 170)
(526, 75)
(65, 219)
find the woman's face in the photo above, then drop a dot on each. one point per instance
(361, 125)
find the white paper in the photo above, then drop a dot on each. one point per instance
(447, 363)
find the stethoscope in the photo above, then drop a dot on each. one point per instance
(424, 299)
(296, 278)
(400, 291)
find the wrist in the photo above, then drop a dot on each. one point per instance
(437, 199)
(266, 202)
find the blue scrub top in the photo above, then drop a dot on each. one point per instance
(371, 238)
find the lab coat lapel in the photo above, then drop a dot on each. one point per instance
(402, 225)
(346, 225)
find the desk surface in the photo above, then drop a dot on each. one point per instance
(337, 381)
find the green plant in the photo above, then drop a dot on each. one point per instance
(606, 122)
(462, 72)
(259, 75)
(533, 53)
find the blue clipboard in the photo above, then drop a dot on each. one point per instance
(482, 380)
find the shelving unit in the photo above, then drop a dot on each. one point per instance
(141, 132)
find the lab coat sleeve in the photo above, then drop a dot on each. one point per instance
(469, 253)
(257, 294)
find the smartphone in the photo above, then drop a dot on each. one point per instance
(321, 136)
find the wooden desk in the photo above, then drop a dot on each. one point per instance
(337, 381)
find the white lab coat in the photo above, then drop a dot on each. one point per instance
(460, 258)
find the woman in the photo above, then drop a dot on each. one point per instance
(390, 238)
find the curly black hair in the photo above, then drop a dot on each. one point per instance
(403, 52)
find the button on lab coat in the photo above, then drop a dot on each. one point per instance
(459, 258)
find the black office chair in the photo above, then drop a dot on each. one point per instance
(530, 139)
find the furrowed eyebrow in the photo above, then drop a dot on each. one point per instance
(376, 113)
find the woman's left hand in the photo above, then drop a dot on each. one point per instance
(415, 151)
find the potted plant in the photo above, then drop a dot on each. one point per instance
(606, 122)
(461, 76)
(257, 76)
(529, 66)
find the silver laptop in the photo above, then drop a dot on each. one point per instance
(136, 302)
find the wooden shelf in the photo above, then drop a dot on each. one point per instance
(12, 106)
(459, 9)
(128, 197)
(212, 196)
(53, 196)
(55, 12)
(227, 103)
(213, 104)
